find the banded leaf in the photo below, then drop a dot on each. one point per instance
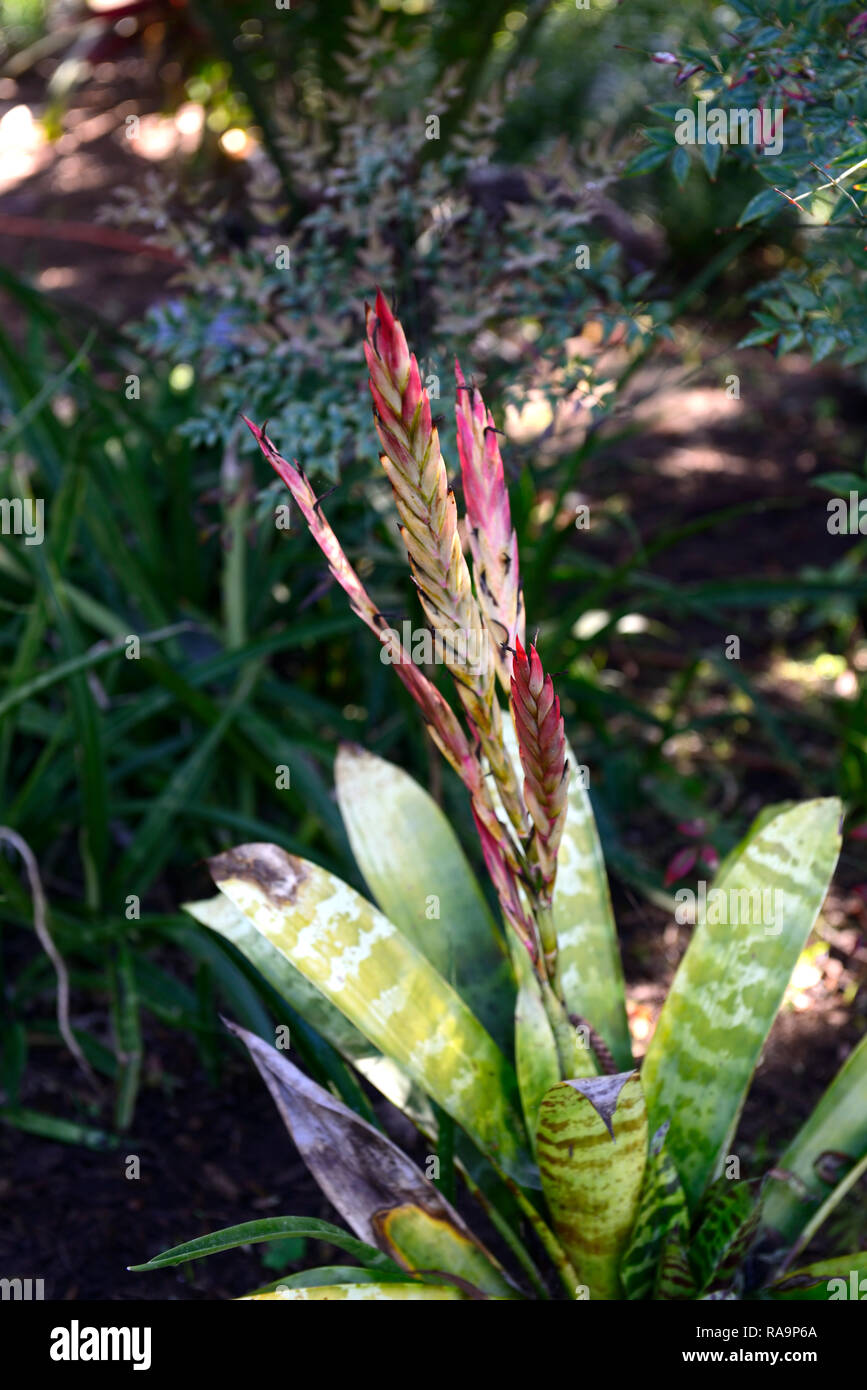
(726, 1225)
(419, 877)
(222, 916)
(842, 1279)
(536, 1058)
(378, 1191)
(661, 1207)
(837, 1125)
(386, 987)
(674, 1279)
(589, 968)
(592, 1147)
(362, 1293)
(330, 1274)
(731, 983)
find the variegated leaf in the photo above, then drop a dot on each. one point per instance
(661, 1207)
(378, 1191)
(589, 968)
(837, 1125)
(222, 916)
(843, 1279)
(592, 1147)
(386, 987)
(726, 1225)
(674, 1279)
(329, 1274)
(536, 1059)
(731, 983)
(362, 1293)
(418, 875)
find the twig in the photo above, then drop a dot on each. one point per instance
(11, 837)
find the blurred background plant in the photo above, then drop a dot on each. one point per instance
(277, 166)
(802, 63)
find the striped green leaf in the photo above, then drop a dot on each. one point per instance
(731, 983)
(588, 962)
(417, 874)
(838, 1125)
(383, 984)
(661, 1207)
(842, 1279)
(725, 1228)
(329, 1274)
(674, 1280)
(536, 1058)
(362, 1293)
(592, 1146)
(222, 916)
(378, 1191)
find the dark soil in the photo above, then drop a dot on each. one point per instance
(209, 1158)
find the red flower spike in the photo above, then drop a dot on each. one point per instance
(440, 719)
(429, 527)
(506, 885)
(493, 543)
(542, 746)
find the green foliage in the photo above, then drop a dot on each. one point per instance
(374, 185)
(805, 64)
(622, 1212)
(728, 1247)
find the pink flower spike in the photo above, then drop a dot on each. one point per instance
(506, 886)
(493, 543)
(542, 747)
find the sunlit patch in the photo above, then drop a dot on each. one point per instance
(181, 377)
(528, 421)
(22, 141)
(159, 137)
(236, 142)
(642, 1022)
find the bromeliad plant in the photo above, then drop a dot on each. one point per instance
(511, 1053)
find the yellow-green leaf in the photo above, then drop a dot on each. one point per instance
(842, 1279)
(536, 1059)
(588, 955)
(362, 1293)
(386, 987)
(222, 916)
(592, 1146)
(731, 983)
(838, 1125)
(418, 875)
